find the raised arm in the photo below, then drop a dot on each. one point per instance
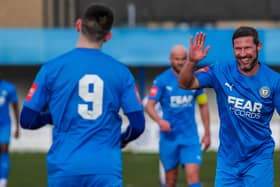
(197, 52)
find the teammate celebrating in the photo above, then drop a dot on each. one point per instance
(8, 96)
(247, 92)
(83, 98)
(179, 140)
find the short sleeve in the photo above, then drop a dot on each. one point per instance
(155, 91)
(206, 76)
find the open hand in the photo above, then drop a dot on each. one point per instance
(16, 133)
(197, 51)
(206, 141)
(164, 125)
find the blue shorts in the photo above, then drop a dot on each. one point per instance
(257, 174)
(5, 133)
(172, 154)
(86, 181)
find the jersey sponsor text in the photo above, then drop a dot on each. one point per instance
(179, 101)
(245, 108)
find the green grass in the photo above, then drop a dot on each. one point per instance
(29, 169)
(142, 170)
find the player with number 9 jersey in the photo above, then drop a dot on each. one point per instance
(84, 102)
(83, 91)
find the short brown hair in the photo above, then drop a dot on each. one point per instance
(97, 21)
(246, 31)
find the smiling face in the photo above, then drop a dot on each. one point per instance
(178, 57)
(246, 53)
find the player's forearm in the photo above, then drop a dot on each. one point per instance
(16, 113)
(186, 76)
(150, 109)
(30, 119)
(205, 118)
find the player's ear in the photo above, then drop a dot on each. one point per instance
(108, 36)
(78, 25)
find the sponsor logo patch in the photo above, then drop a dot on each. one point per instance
(204, 69)
(245, 108)
(31, 92)
(229, 86)
(153, 91)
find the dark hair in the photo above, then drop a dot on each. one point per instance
(97, 21)
(246, 31)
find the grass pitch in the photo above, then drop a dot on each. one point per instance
(29, 170)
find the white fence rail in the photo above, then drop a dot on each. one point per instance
(40, 140)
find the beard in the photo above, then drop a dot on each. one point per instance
(250, 66)
(176, 69)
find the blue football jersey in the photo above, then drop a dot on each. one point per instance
(246, 105)
(8, 95)
(178, 107)
(84, 90)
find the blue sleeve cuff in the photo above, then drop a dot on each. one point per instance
(135, 128)
(30, 119)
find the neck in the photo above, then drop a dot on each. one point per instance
(84, 43)
(175, 72)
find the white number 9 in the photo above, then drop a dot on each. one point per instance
(95, 97)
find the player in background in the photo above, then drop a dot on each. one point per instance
(247, 93)
(179, 139)
(8, 97)
(83, 91)
(153, 137)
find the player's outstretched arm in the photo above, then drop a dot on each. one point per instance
(197, 52)
(135, 128)
(30, 119)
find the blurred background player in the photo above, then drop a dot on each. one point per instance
(151, 137)
(247, 93)
(8, 96)
(84, 97)
(179, 139)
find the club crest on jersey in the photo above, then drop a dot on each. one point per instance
(153, 91)
(264, 92)
(31, 91)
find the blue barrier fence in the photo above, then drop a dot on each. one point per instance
(132, 46)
